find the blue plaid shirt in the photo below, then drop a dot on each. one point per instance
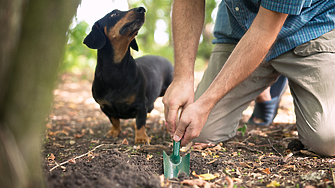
(307, 20)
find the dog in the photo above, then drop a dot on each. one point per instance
(125, 87)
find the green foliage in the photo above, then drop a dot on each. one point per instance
(77, 55)
(161, 11)
(156, 11)
(80, 57)
(243, 129)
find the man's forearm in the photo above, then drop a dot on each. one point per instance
(187, 24)
(247, 55)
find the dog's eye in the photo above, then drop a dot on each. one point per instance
(114, 14)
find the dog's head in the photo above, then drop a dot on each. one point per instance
(119, 28)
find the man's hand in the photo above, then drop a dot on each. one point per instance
(179, 94)
(191, 121)
(187, 23)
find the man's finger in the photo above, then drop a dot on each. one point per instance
(180, 129)
(166, 112)
(171, 117)
(187, 138)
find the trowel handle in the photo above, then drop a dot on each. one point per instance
(176, 145)
(175, 157)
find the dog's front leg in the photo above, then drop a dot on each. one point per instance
(116, 127)
(141, 136)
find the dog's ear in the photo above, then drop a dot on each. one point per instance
(133, 45)
(96, 38)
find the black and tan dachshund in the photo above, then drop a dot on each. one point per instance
(125, 87)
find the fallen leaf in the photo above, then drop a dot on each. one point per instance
(58, 145)
(125, 142)
(291, 167)
(78, 135)
(243, 164)
(201, 146)
(51, 157)
(50, 133)
(210, 162)
(72, 161)
(310, 186)
(187, 147)
(251, 144)
(255, 132)
(218, 147)
(90, 156)
(230, 182)
(149, 157)
(234, 154)
(205, 176)
(273, 184)
(72, 142)
(266, 171)
(163, 182)
(95, 141)
(197, 182)
(238, 180)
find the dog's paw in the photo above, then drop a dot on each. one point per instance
(141, 137)
(113, 132)
(142, 140)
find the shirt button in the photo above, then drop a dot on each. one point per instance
(237, 9)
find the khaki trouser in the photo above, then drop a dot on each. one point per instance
(310, 69)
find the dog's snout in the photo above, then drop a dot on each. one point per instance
(140, 10)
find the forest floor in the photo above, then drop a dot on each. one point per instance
(76, 152)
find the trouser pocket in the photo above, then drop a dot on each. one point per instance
(324, 43)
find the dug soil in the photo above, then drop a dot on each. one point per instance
(77, 153)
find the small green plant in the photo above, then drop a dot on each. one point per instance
(243, 129)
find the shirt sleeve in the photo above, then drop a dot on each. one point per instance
(291, 7)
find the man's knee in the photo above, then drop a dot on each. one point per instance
(321, 140)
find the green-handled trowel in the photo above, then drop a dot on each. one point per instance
(175, 164)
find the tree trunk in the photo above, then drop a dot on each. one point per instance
(32, 41)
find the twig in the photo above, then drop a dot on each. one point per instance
(246, 139)
(290, 155)
(61, 164)
(287, 138)
(273, 131)
(127, 150)
(250, 149)
(230, 182)
(210, 162)
(274, 148)
(333, 174)
(226, 172)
